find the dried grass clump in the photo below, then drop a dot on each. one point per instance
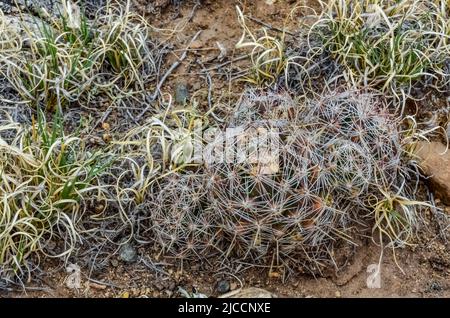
(267, 54)
(72, 59)
(295, 61)
(163, 145)
(45, 178)
(311, 69)
(391, 45)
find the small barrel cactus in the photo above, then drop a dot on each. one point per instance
(334, 160)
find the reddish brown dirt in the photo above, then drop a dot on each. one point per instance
(422, 270)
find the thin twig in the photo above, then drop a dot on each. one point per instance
(240, 58)
(269, 26)
(104, 283)
(209, 81)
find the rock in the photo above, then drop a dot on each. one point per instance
(435, 162)
(223, 287)
(128, 253)
(6, 8)
(251, 292)
(37, 7)
(181, 93)
(26, 25)
(435, 287)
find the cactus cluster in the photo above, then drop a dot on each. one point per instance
(336, 157)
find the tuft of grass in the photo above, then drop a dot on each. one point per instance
(45, 177)
(387, 44)
(267, 55)
(72, 59)
(396, 217)
(165, 144)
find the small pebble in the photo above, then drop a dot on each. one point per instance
(274, 275)
(223, 286)
(128, 253)
(181, 93)
(435, 286)
(107, 138)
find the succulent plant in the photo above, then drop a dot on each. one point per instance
(338, 160)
